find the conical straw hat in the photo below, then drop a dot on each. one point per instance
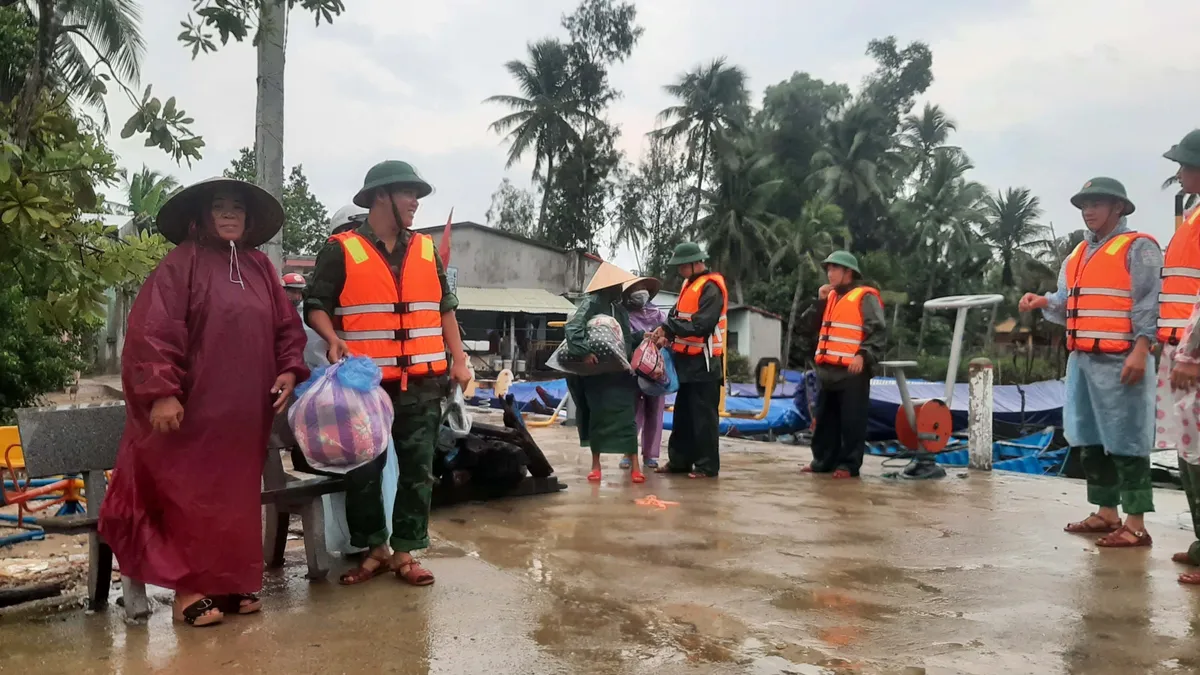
(647, 283)
(607, 276)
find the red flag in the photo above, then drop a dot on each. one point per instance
(444, 248)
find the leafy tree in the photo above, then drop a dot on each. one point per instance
(305, 226)
(511, 210)
(145, 193)
(1012, 226)
(546, 111)
(585, 185)
(712, 101)
(803, 243)
(901, 74)
(653, 207)
(921, 135)
(848, 174)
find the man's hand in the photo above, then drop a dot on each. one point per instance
(166, 415)
(338, 350)
(1032, 301)
(284, 385)
(823, 293)
(460, 374)
(1135, 367)
(1183, 376)
(856, 365)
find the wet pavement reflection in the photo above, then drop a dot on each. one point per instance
(764, 571)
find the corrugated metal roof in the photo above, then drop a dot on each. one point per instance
(520, 300)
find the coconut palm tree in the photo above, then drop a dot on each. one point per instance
(712, 101)
(855, 166)
(546, 111)
(145, 192)
(737, 226)
(1189, 200)
(802, 243)
(1012, 227)
(921, 135)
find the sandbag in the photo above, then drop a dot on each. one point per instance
(342, 419)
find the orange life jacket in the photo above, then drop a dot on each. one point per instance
(1100, 297)
(1180, 280)
(686, 307)
(395, 319)
(842, 331)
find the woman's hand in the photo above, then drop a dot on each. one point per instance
(166, 415)
(284, 385)
(1183, 376)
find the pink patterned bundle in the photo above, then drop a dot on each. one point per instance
(648, 362)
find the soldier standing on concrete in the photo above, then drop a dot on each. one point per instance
(848, 319)
(1179, 314)
(1107, 298)
(380, 291)
(695, 332)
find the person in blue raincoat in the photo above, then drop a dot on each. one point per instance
(1107, 298)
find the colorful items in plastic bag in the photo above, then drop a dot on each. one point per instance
(648, 363)
(670, 381)
(342, 419)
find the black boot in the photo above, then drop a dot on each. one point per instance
(923, 468)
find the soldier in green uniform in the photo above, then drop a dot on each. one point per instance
(391, 191)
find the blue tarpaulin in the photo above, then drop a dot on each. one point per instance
(1028, 454)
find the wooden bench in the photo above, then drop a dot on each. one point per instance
(84, 439)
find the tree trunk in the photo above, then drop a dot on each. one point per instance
(268, 121)
(31, 92)
(546, 186)
(700, 180)
(791, 324)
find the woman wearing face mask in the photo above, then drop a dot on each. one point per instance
(214, 350)
(645, 316)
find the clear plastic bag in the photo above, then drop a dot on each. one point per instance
(455, 415)
(670, 382)
(342, 419)
(605, 340)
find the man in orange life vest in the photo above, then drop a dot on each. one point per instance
(1107, 298)
(1179, 365)
(695, 332)
(380, 291)
(848, 320)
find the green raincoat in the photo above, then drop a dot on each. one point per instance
(605, 404)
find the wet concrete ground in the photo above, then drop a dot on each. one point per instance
(763, 571)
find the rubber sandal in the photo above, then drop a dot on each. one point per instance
(808, 468)
(1190, 578)
(842, 473)
(361, 574)
(594, 477)
(199, 613)
(639, 477)
(698, 475)
(240, 603)
(413, 574)
(625, 463)
(1115, 540)
(650, 463)
(1082, 527)
(1183, 559)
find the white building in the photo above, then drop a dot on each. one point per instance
(753, 332)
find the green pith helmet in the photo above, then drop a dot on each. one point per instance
(1187, 151)
(687, 252)
(1103, 187)
(843, 259)
(391, 172)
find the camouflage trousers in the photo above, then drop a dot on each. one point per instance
(415, 434)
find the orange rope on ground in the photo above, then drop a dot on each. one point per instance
(653, 500)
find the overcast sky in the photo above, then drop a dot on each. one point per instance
(1046, 93)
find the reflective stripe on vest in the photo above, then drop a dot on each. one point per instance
(1100, 297)
(842, 331)
(394, 319)
(1180, 280)
(686, 307)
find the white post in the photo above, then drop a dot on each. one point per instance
(979, 414)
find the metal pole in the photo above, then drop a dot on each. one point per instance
(906, 400)
(979, 415)
(960, 324)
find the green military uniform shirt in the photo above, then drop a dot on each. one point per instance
(702, 324)
(874, 343)
(329, 276)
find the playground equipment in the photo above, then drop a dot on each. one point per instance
(32, 495)
(924, 426)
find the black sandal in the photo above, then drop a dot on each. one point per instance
(198, 613)
(240, 603)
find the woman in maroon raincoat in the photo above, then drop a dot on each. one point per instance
(213, 350)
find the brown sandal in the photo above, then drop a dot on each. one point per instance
(1082, 527)
(361, 574)
(1117, 539)
(412, 573)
